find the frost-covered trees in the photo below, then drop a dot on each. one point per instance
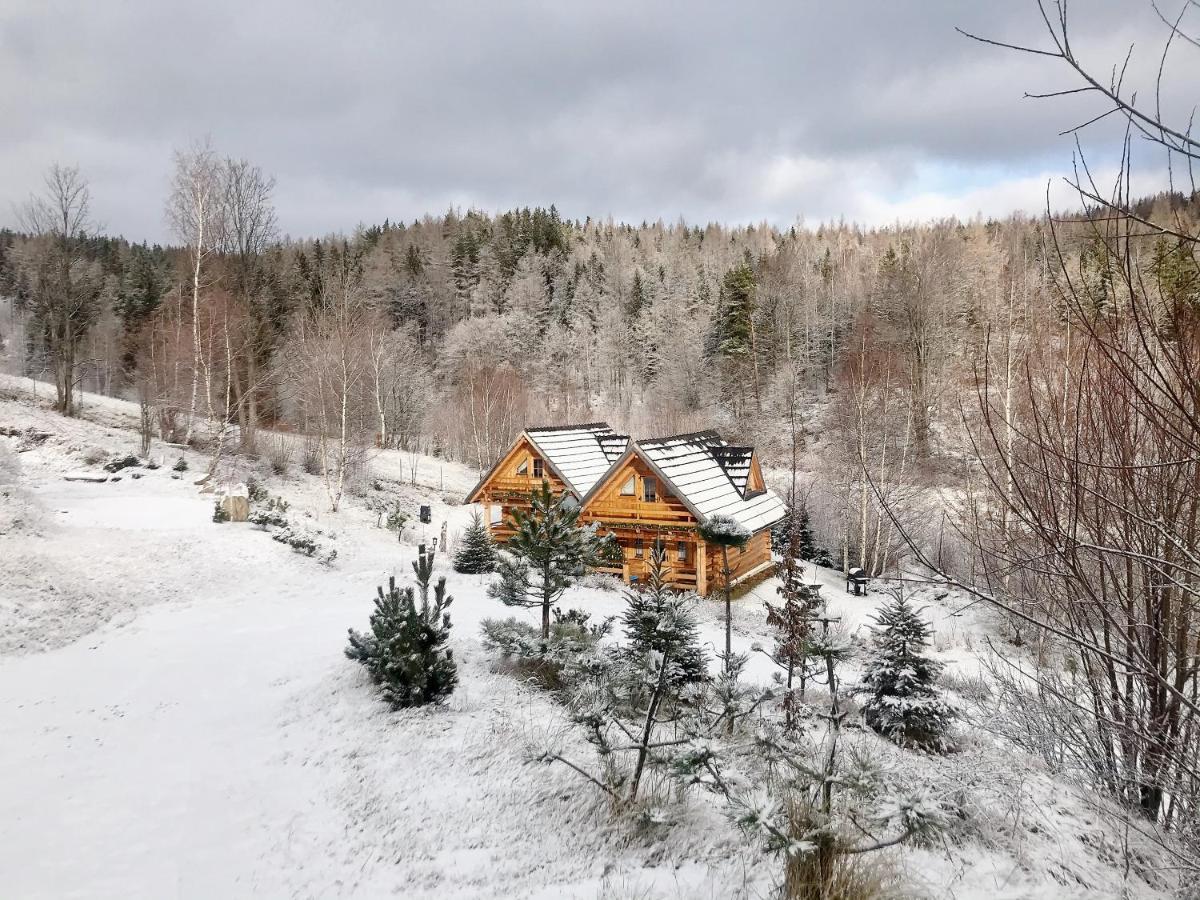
(902, 702)
(548, 551)
(405, 651)
(476, 551)
(63, 285)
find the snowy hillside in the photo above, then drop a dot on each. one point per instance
(180, 720)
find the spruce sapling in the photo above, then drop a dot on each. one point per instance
(476, 552)
(902, 702)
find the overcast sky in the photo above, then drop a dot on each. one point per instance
(730, 111)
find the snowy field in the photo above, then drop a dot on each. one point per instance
(179, 720)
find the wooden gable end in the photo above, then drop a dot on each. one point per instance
(610, 503)
(516, 475)
(755, 484)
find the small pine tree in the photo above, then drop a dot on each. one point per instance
(548, 550)
(658, 620)
(405, 651)
(476, 553)
(902, 703)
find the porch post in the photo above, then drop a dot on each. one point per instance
(701, 568)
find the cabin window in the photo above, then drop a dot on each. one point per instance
(537, 468)
(638, 549)
(649, 490)
(629, 488)
(523, 468)
(681, 551)
(495, 514)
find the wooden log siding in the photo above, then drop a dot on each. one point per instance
(508, 490)
(713, 476)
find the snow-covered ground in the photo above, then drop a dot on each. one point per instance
(179, 720)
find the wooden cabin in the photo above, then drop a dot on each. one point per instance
(645, 493)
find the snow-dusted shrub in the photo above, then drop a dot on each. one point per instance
(553, 663)
(219, 513)
(601, 581)
(405, 651)
(269, 513)
(278, 452)
(181, 465)
(122, 462)
(310, 461)
(305, 542)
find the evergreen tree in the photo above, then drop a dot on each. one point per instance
(902, 703)
(793, 620)
(658, 620)
(405, 651)
(477, 552)
(795, 528)
(548, 550)
(737, 310)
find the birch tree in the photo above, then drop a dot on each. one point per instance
(195, 212)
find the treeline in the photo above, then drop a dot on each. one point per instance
(450, 333)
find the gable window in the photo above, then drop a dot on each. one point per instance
(681, 551)
(629, 488)
(638, 549)
(649, 490)
(537, 468)
(523, 468)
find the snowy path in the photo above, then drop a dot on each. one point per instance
(216, 744)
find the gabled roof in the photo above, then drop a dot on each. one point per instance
(578, 454)
(708, 476)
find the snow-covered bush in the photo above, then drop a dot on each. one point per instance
(405, 652)
(269, 513)
(554, 663)
(278, 452)
(601, 581)
(305, 542)
(122, 462)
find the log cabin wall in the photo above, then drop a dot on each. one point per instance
(743, 562)
(520, 472)
(636, 508)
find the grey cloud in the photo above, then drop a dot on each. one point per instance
(640, 110)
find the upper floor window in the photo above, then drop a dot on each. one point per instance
(649, 490)
(537, 468)
(629, 488)
(523, 468)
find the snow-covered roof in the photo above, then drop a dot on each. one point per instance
(580, 454)
(710, 477)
